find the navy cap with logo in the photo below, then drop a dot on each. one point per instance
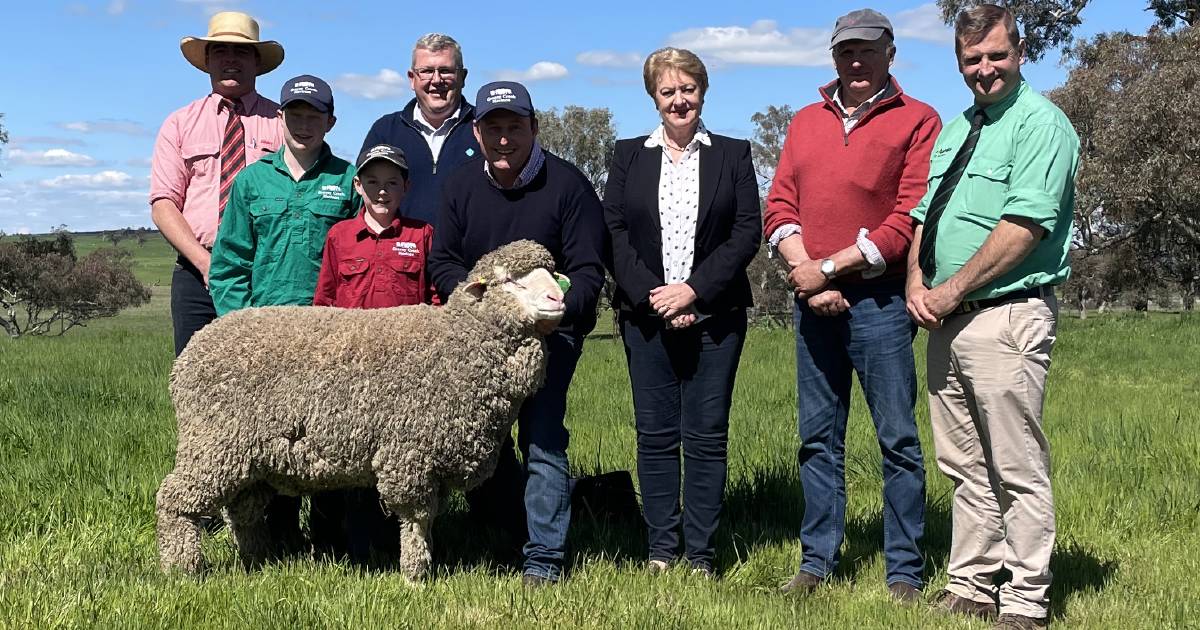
(382, 152)
(507, 95)
(307, 89)
(864, 24)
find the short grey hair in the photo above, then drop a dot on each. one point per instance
(437, 42)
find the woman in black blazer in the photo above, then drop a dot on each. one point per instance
(682, 211)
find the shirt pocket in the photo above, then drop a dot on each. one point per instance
(352, 274)
(267, 220)
(200, 158)
(407, 279)
(323, 214)
(986, 182)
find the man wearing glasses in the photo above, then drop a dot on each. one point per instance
(434, 129)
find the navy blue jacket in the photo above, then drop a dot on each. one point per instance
(558, 209)
(398, 129)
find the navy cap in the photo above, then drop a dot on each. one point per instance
(382, 152)
(865, 24)
(308, 89)
(508, 95)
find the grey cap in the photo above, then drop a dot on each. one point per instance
(864, 24)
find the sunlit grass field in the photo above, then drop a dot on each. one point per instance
(86, 435)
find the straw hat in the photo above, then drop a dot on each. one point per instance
(232, 27)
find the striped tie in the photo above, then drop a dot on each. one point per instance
(945, 190)
(233, 150)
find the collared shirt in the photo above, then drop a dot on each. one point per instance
(849, 120)
(362, 268)
(537, 158)
(435, 137)
(1023, 166)
(186, 168)
(679, 202)
(268, 250)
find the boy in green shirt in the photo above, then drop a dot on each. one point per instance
(269, 241)
(268, 246)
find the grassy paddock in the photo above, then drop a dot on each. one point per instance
(86, 434)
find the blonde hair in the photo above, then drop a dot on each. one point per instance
(437, 42)
(680, 59)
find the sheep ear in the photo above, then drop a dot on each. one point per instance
(476, 288)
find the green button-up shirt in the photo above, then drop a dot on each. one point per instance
(1023, 166)
(268, 247)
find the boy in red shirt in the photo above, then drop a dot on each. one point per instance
(375, 260)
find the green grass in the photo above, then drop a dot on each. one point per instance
(86, 434)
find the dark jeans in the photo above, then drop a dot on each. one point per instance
(191, 305)
(874, 339)
(682, 388)
(542, 437)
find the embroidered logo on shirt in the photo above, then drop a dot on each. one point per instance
(332, 191)
(406, 249)
(470, 152)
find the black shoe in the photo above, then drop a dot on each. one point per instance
(1010, 621)
(949, 602)
(803, 583)
(904, 593)
(534, 582)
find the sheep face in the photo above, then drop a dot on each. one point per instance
(538, 293)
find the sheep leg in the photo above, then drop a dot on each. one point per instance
(181, 501)
(415, 520)
(248, 525)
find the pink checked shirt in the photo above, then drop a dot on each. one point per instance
(186, 168)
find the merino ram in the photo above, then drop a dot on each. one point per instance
(412, 400)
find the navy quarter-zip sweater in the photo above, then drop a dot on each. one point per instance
(558, 209)
(424, 175)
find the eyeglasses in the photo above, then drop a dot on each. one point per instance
(427, 73)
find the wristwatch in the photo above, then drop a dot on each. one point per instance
(828, 269)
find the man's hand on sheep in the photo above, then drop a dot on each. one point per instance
(670, 300)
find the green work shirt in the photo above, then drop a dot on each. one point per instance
(1023, 166)
(269, 243)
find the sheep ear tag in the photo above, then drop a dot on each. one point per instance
(564, 282)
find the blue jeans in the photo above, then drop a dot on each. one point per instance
(542, 438)
(682, 389)
(874, 339)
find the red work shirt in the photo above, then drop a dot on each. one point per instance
(362, 269)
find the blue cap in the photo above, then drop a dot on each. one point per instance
(508, 95)
(387, 152)
(308, 89)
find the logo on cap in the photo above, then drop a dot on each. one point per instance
(304, 87)
(501, 95)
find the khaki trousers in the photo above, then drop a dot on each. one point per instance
(986, 375)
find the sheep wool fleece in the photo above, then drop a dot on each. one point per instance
(298, 399)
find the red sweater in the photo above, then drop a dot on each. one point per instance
(362, 269)
(832, 184)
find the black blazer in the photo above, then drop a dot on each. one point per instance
(728, 226)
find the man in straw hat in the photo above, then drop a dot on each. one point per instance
(199, 150)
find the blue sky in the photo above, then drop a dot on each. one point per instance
(86, 84)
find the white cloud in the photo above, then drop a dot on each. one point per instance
(115, 196)
(103, 179)
(50, 157)
(923, 23)
(609, 59)
(760, 44)
(386, 83)
(210, 7)
(540, 71)
(106, 125)
(117, 7)
(24, 229)
(20, 141)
